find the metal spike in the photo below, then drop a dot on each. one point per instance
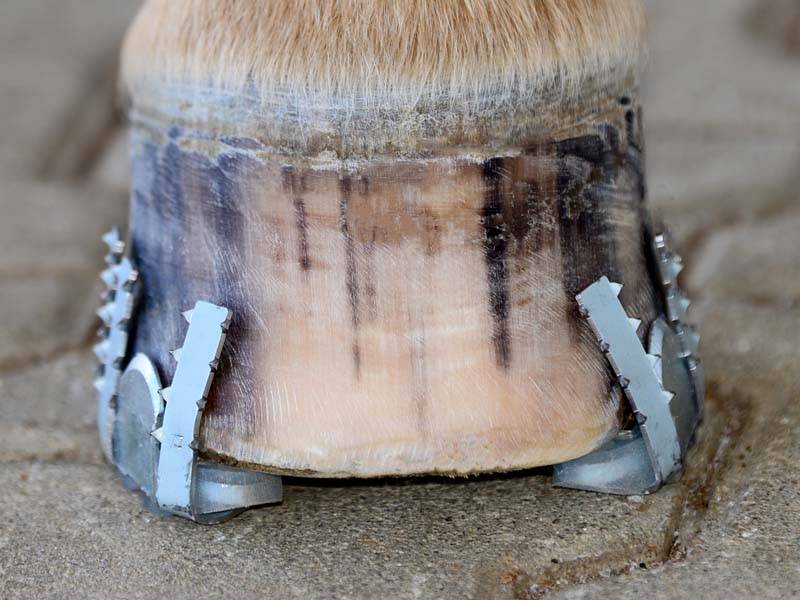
(177, 463)
(106, 312)
(109, 278)
(188, 315)
(658, 369)
(116, 247)
(675, 267)
(101, 350)
(616, 287)
(111, 238)
(635, 323)
(684, 302)
(655, 362)
(115, 315)
(98, 383)
(166, 393)
(668, 396)
(157, 434)
(176, 354)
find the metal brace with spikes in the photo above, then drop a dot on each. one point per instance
(120, 279)
(185, 486)
(150, 432)
(669, 265)
(185, 401)
(156, 432)
(661, 385)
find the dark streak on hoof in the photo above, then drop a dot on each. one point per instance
(346, 188)
(495, 246)
(302, 234)
(296, 188)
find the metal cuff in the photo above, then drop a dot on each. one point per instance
(150, 432)
(664, 385)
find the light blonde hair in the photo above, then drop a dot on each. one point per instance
(375, 48)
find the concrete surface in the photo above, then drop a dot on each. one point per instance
(723, 132)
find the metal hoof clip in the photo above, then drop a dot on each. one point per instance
(151, 433)
(664, 385)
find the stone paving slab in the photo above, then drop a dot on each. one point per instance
(434, 538)
(707, 70)
(759, 262)
(50, 56)
(697, 185)
(722, 115)
(47, 412)
(55, 226)
(51, 255)
(777, 22)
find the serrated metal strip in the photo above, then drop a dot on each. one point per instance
(220, 491)
(635, 372)
(670, 265)
(676, 303)
(185, 401)
(120, 278)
